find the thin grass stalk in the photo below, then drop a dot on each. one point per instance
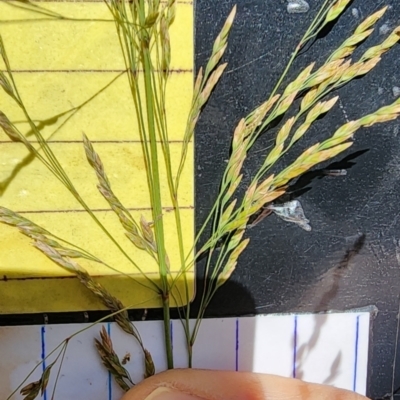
(156, 200)
(309, 33)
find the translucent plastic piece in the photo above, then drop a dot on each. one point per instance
(297, 6)
(292, 211)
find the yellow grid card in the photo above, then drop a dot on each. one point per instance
(69, 70)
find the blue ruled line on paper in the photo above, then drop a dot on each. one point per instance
(109, 373)
(172, 335)
(43, 355)
(237, 346)
(294, 346)
(356, 354)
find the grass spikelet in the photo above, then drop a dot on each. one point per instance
(171, 12)
(104, 187)
(255, 119)
(319, 109)
(228, 212)
(232, 187)
(386, 45)
(220, 43)
(165, 47)
(336, 9)
(150, 369)
(342, 52)
(211, 83)
(357, 38)
(297, 84)
(284, 131)
(284, 104)
(9, 129)
(370, 21)
(111, 361)
(358, 69)
(147, 233)
(324, 73)
(230, 265)
(5, 84)
(32, 390)
(281, 137)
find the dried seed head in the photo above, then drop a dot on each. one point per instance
(235, 239)
(320, 108)
(309, 99)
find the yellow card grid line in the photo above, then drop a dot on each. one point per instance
(166, 209)
(95, 1)
(172, 71)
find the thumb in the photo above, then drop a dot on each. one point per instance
(189, 384)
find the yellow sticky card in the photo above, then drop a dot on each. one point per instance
(69, 69)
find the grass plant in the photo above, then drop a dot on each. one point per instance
(143, 31)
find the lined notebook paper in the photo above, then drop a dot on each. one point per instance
(68, 66)
(321, 348)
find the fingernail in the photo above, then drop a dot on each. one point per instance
(163, 393)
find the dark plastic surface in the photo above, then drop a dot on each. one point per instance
(351, 258)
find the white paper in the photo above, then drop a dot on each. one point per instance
(322, 348)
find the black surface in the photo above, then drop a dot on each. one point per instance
(349, 259)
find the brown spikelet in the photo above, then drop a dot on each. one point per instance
(32, 390)
(111, 361)
(9, 129)
(6, 85)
